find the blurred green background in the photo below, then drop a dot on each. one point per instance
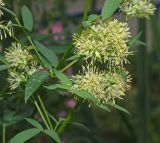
(55, 23)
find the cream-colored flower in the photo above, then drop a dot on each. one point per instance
(138, 8)
(15, 79)
(105, 86)
(22, 64)
(105, 41)
(17, 56)
(118, 82)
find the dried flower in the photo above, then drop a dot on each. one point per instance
(138, 8)
(105, 41)
(105, 86)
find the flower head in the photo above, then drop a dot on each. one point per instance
(22, 64)
(105, 86)
(138, 8)
(105, 41)
(17, 57)
(15, 79)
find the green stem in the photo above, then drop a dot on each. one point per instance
(68, 119)
(86, 8)
(4, 134)
(70, 47)
(143, 87)
(45, 112)
(40, 112)
(30, 40)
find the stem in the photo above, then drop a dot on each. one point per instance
(30, 40)
(4, 134)
(86, 8)
(68, 119)
(45, 112)
(70, 47)
(143, 87)
(40, 112)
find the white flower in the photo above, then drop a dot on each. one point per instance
(106, 86)
(105, 41)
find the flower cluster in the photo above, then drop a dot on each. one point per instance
(105, 86)
(105, 41)
(22, 65)
(138, 8)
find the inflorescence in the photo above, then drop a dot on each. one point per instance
(106, 42)
(22, 65)
(138, 8)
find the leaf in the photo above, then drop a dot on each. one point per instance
(11, 118)
(120, 108)
(104, 107)
(85, 95)
(53, 135)
(134, 40)
(25, 135)
(110, 6)
(72, 58)
(27, 18)
(86, 23)
(34, 123)
(81, 126)
(63, 78)
(93, 17)
(57, 86)
(53, 118)
(49, 54)
(34, 83)
(4, 67)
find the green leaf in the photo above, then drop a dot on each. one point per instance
(34, 83)
(25, 135)
(4, 67)
(120, 108)
(57, 86)
(63, 78)
(11, 118)
(53, 135)
(7, 10)
(86, 24)
(93, 17)
(73, 58)
(134, 40)
(27, 18)
(85, 95)
(110, 6)
(34, 123)
(104, 107)
(49, 54)
(81, 126)
(53, 118)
